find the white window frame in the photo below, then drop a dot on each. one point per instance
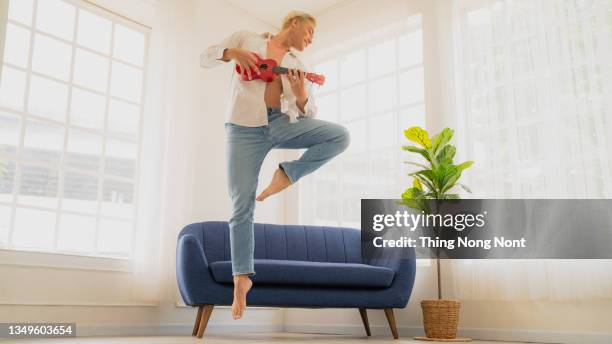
(368, 116)
(95, 261)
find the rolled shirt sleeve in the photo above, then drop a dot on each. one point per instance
(213, 55)
(310, 109)
(288, 101)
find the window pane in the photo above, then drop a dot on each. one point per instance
(381, 58)
(352, 68)
(5, 223)
(87, 109)
(330, 70)
(10, 131)
(382, 94)
(355, 172)
(34, 228)
(17, 45)
(76, 233)
(21, 11)
(326, 209)
(56, 17)
(358, 132)
(120, 158)
(80, 192)
(7, 180)
(126, 82)
(84, 150)
(351, 210)
(90, 70)
(327, 107)
(382, 132)
(123, 118)
(48, 98)
(115, 237)
(353, 102)
(94, 32)
(410, 48)
(43, 142)
(38, 186)
(117, 199)
(12, 88)
(129, 45)
(411, 86)
(51, 57)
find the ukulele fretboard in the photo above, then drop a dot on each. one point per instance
(280, 70)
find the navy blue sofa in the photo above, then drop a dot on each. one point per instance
(295, 266)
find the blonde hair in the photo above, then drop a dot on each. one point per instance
(301, 16)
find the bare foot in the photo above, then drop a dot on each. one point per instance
(242, 285)
(280, 181)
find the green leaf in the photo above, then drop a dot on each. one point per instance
(412, 193)
(414, 204)
(418, 135)
(445, 175)
(418, 150)
(441, 139)
(450, 173)
(465, 165)
(407, 194)
(416, 184)
(450, 182)
(428, 174)
(424, 181)
(446, 155)
(414, 198)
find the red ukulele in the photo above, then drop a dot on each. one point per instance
(269, 70)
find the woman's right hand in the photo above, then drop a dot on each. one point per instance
(246, 59)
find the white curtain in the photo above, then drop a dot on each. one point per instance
(169, 146)
(534, 87)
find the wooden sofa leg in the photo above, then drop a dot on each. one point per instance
(391, 320)
(197, 321)
(364, 319)
(204, 320)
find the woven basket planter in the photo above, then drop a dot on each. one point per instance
(441, 318)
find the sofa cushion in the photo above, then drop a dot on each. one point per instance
(296, 272)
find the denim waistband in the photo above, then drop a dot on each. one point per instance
(272, 111)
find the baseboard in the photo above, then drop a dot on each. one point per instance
(171, 329)
(474, 333)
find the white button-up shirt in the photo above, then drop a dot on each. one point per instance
(247, 106)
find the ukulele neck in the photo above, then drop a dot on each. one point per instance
(280, 70)
(283, 70)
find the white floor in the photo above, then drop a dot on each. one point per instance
(279, 338)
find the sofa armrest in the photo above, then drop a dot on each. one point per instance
(192, 270)
(404, 266)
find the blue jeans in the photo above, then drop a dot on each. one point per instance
(248, 146)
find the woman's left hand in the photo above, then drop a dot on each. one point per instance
(296, 80)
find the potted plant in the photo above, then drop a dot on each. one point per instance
(436, 179)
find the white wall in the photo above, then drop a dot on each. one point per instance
(3, 15)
